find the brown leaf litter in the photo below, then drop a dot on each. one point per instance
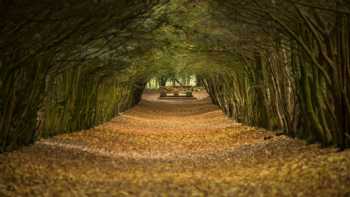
(174, 148)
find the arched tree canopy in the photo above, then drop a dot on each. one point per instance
(277, 64)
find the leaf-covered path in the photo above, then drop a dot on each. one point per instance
(178, 148)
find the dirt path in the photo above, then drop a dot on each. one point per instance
(174, 148)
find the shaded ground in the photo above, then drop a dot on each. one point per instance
(174, 148)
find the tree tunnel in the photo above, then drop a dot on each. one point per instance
(71, 65)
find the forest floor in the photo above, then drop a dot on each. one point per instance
(174, 148)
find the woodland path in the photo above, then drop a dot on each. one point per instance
(177, 148)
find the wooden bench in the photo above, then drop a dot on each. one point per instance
(176, 91)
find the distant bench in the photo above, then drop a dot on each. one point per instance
(176, 91)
